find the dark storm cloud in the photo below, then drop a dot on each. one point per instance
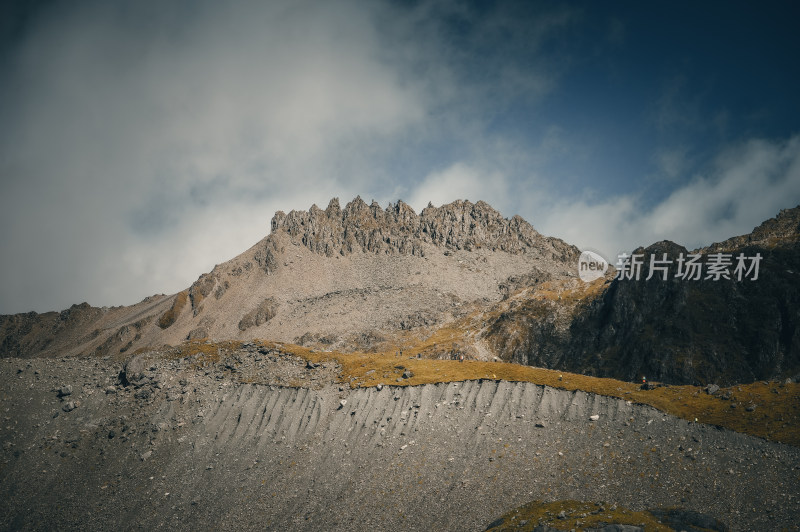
(144, 142)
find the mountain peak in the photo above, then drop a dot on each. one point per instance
(398, 229)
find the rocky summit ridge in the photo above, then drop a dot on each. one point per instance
(460, 280)
(460, 225)
(781, 231)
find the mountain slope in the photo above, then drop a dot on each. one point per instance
(346, 278)
(461, 280)
(675, 330)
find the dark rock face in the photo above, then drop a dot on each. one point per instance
(460, 225)
(698, 332)
(266, 256)
(200, 289)
(677, 330)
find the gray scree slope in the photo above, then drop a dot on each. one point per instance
(199, 450)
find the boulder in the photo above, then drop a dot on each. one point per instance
(134, 370)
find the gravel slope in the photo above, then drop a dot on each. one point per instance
(187, 446)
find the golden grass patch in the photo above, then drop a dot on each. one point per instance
(571, 290)
(776, 415)
(768, 410)
(169, 317)
(204, 350)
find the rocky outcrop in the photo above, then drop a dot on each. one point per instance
(264, 312)
(200, 289)
(780, 231)
(460, 225)
(123, 339)
(266, 256)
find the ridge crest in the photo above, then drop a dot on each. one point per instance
(398, 229)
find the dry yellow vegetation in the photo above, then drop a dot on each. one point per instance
(571, 291)
(776, 415)
(773, 413)
(169, 317)
(205, 350)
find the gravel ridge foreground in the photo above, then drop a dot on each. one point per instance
(189, 446)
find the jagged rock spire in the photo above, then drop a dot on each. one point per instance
(398, 229)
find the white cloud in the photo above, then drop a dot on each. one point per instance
(460, 181)
(748, 184)
(143, 145)
(604, 226)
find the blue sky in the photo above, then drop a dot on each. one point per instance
(143, 143)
